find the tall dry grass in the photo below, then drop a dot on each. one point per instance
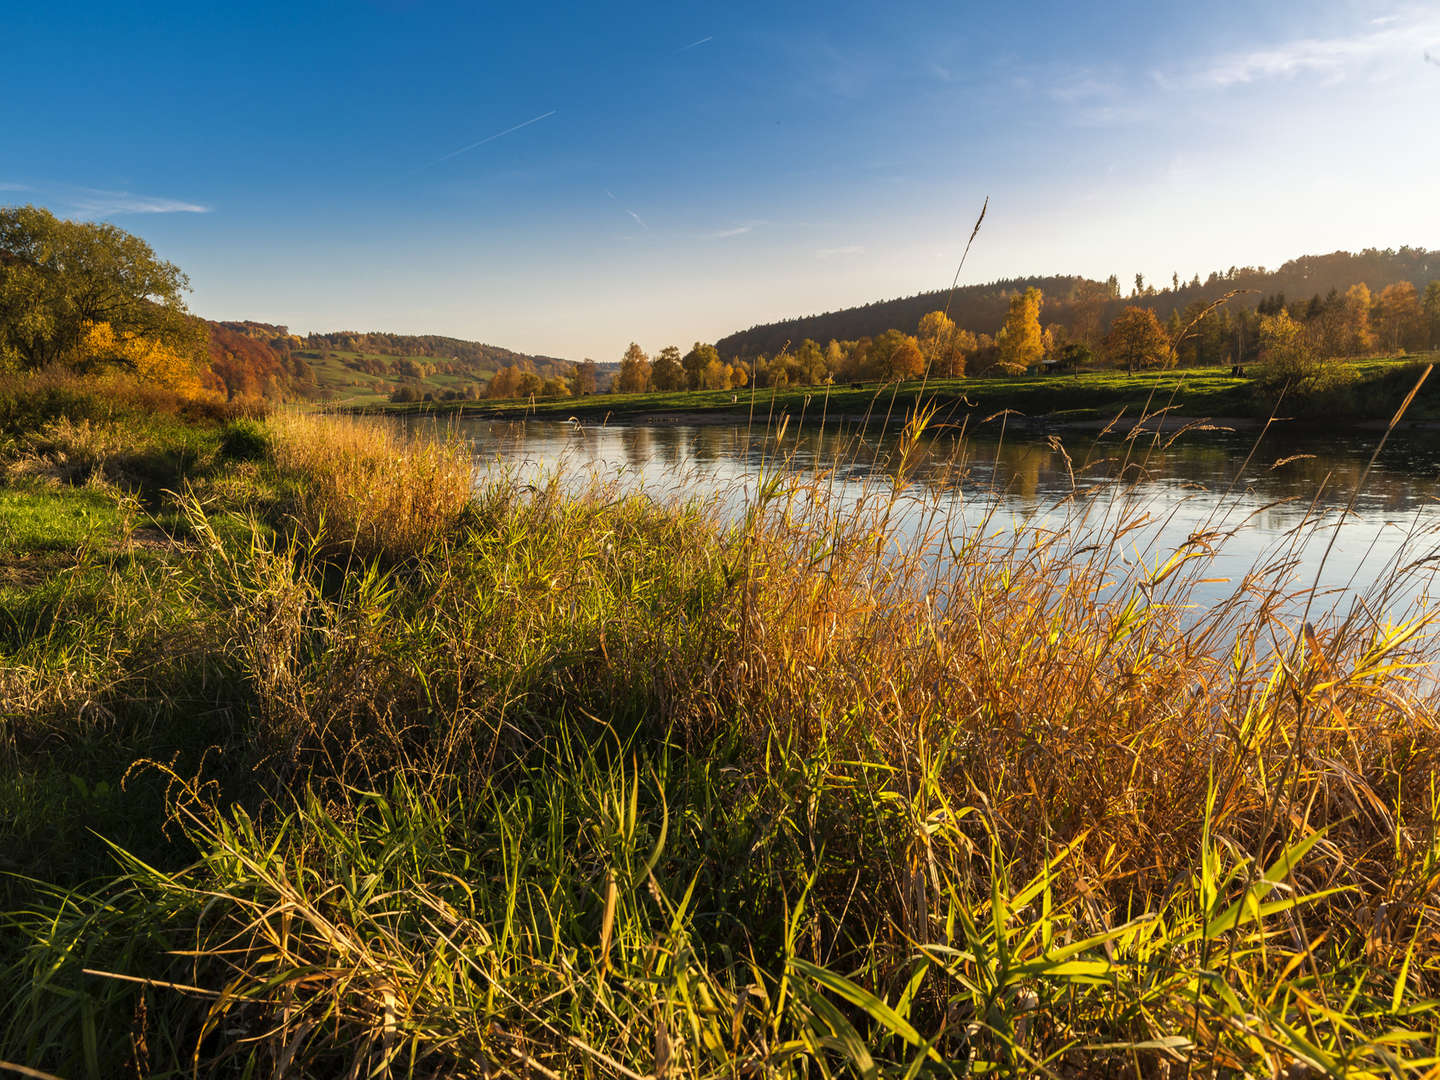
(368, 487)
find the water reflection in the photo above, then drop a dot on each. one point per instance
(1268, 498)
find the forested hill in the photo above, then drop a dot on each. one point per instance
(255, 359)
(1079, 303)
(442, 348)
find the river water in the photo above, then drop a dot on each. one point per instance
(1275, 503)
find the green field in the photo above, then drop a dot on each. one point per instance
(340, 382)
(1093, 396)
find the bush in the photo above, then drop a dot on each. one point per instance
(244, 440)
(1292, 363)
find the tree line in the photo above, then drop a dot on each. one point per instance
(93, 297)
(1085, 307)
(1291, 339)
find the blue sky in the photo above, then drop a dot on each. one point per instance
(672, 172)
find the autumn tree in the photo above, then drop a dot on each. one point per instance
(906, 362)
(1399, 317)
(1020, 340)
(586, 376)
(1073, 356)
(666, 372)
(529, 385)
(1356, 335)
(151, 360)
(60, 280)
(894, 356)
(1137, 340)
(934, 336)
(944, 345)
(1430, 304)
(505, 383)
(1292, 360)
(808, 364)
(634, 374)
(1087, 309)
(716, 375)
(697, 362)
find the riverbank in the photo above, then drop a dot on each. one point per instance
(531, 780)
(1083, 401)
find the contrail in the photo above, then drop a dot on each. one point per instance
(636, 216)
(497, 135)
(692, 44)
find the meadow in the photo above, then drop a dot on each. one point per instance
(1082, 398)
(340, 378)
(318, 760)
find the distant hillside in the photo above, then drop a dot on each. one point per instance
(470, 353)
(1082, 305)
(254, 359)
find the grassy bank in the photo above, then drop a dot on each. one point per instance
(1086, 398)
(315, 763)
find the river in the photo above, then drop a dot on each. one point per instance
(1273, 504)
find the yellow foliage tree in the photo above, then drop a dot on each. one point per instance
(1356, 336)
(1292, 359)
(1137, 340)
(1399, 316)
(152, 361)
(1020, 341)
(943, 345)
(634, 374)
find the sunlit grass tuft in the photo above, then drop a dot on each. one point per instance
(367, 487)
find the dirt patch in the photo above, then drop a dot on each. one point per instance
(31, 572)
(152, 539)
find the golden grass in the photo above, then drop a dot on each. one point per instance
(368, 488)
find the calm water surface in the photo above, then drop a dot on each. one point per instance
(1200, 482)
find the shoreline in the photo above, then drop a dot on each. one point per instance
(1204, 398)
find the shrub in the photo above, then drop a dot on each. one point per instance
(244, 440)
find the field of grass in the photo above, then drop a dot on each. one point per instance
(326, 764)
(340, 383)
(1087, 397)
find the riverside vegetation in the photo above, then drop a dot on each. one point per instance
(317, 758)
(1364, 393)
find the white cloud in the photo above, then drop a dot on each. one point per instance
(1333, 58)
(840, 252)
(722, 234)
(14, 187)
(100, 203)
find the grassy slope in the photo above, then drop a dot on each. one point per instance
(346, 386)
(1086, 397)
(542, 781)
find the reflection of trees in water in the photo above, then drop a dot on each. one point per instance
(637, 443)
(1030, 468)
(669, 443)
(710, 444)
